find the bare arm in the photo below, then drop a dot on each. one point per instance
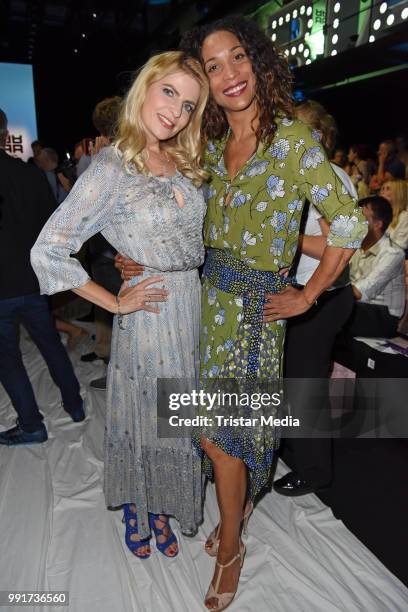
(131, 299)
(292, 302)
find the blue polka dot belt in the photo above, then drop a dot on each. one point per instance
(233, 276)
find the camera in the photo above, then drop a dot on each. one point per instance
(68, 169)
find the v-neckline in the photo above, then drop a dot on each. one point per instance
(244, 165)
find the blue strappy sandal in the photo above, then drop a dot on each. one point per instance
(159, 531)
(133, 545)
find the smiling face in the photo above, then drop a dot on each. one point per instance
(169, 105)
(229, 70)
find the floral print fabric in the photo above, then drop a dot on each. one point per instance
(255, 216)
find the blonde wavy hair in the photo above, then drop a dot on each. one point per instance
(316, 116)
(186, 147)
(399, 202)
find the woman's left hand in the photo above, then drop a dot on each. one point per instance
(288, 303)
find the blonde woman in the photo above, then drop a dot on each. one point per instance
(142, 194)
(396, 192)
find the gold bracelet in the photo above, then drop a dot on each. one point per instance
(118, 305)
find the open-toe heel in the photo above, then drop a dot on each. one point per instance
(224, 599)
(131, 530)
(159, 531)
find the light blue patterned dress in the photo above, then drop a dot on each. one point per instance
(140, 217)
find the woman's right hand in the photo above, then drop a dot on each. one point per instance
(141, 295)
(127, 267)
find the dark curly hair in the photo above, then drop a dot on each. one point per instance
(271, 69)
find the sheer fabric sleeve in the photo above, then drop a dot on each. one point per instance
(88, 209)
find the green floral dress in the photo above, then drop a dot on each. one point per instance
(255, 218)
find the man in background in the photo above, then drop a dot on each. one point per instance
(377, 275)
(26, 202)
(47, 160)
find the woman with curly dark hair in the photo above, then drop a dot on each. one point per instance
(262, 164)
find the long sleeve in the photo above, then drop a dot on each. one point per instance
(87, 210)
(324, 189)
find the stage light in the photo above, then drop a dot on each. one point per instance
(301, 47)
(334, 52)
(308, 61)
(94, 15)
(302, 9)
(293, 50)
(377, 24)
(286, 52)
(273, 37)
(336, 7)
(306, 53)
(295, 14)
(335, 38)
(372, 38)
(336, 23)
(390, 19)
(309, 10)
(287, 17)
(274, 24)
(404, 13)
(383, 7)
(75, 50)
(309, 23)
(280, 20)
(83, 35)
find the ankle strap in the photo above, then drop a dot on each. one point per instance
(238, 556)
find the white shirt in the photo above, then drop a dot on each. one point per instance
(399, 233)
(379, 275)
(307, 265)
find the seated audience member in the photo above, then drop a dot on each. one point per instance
(358, 168)
(396, 192)
(47, 160)
(357, 165)
(389, 166)
(339, 158)
(26, 203)
(403, 326)
(377, 275)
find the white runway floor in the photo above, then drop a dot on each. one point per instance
(57, 535)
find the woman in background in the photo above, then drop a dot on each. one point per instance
(396, 192)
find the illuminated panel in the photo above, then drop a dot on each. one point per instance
(308, 30)
(384, 16)
(17, 101)
(342, 25)
(298, 29)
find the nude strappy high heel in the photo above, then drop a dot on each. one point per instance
(213, 541)
(224, 599)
